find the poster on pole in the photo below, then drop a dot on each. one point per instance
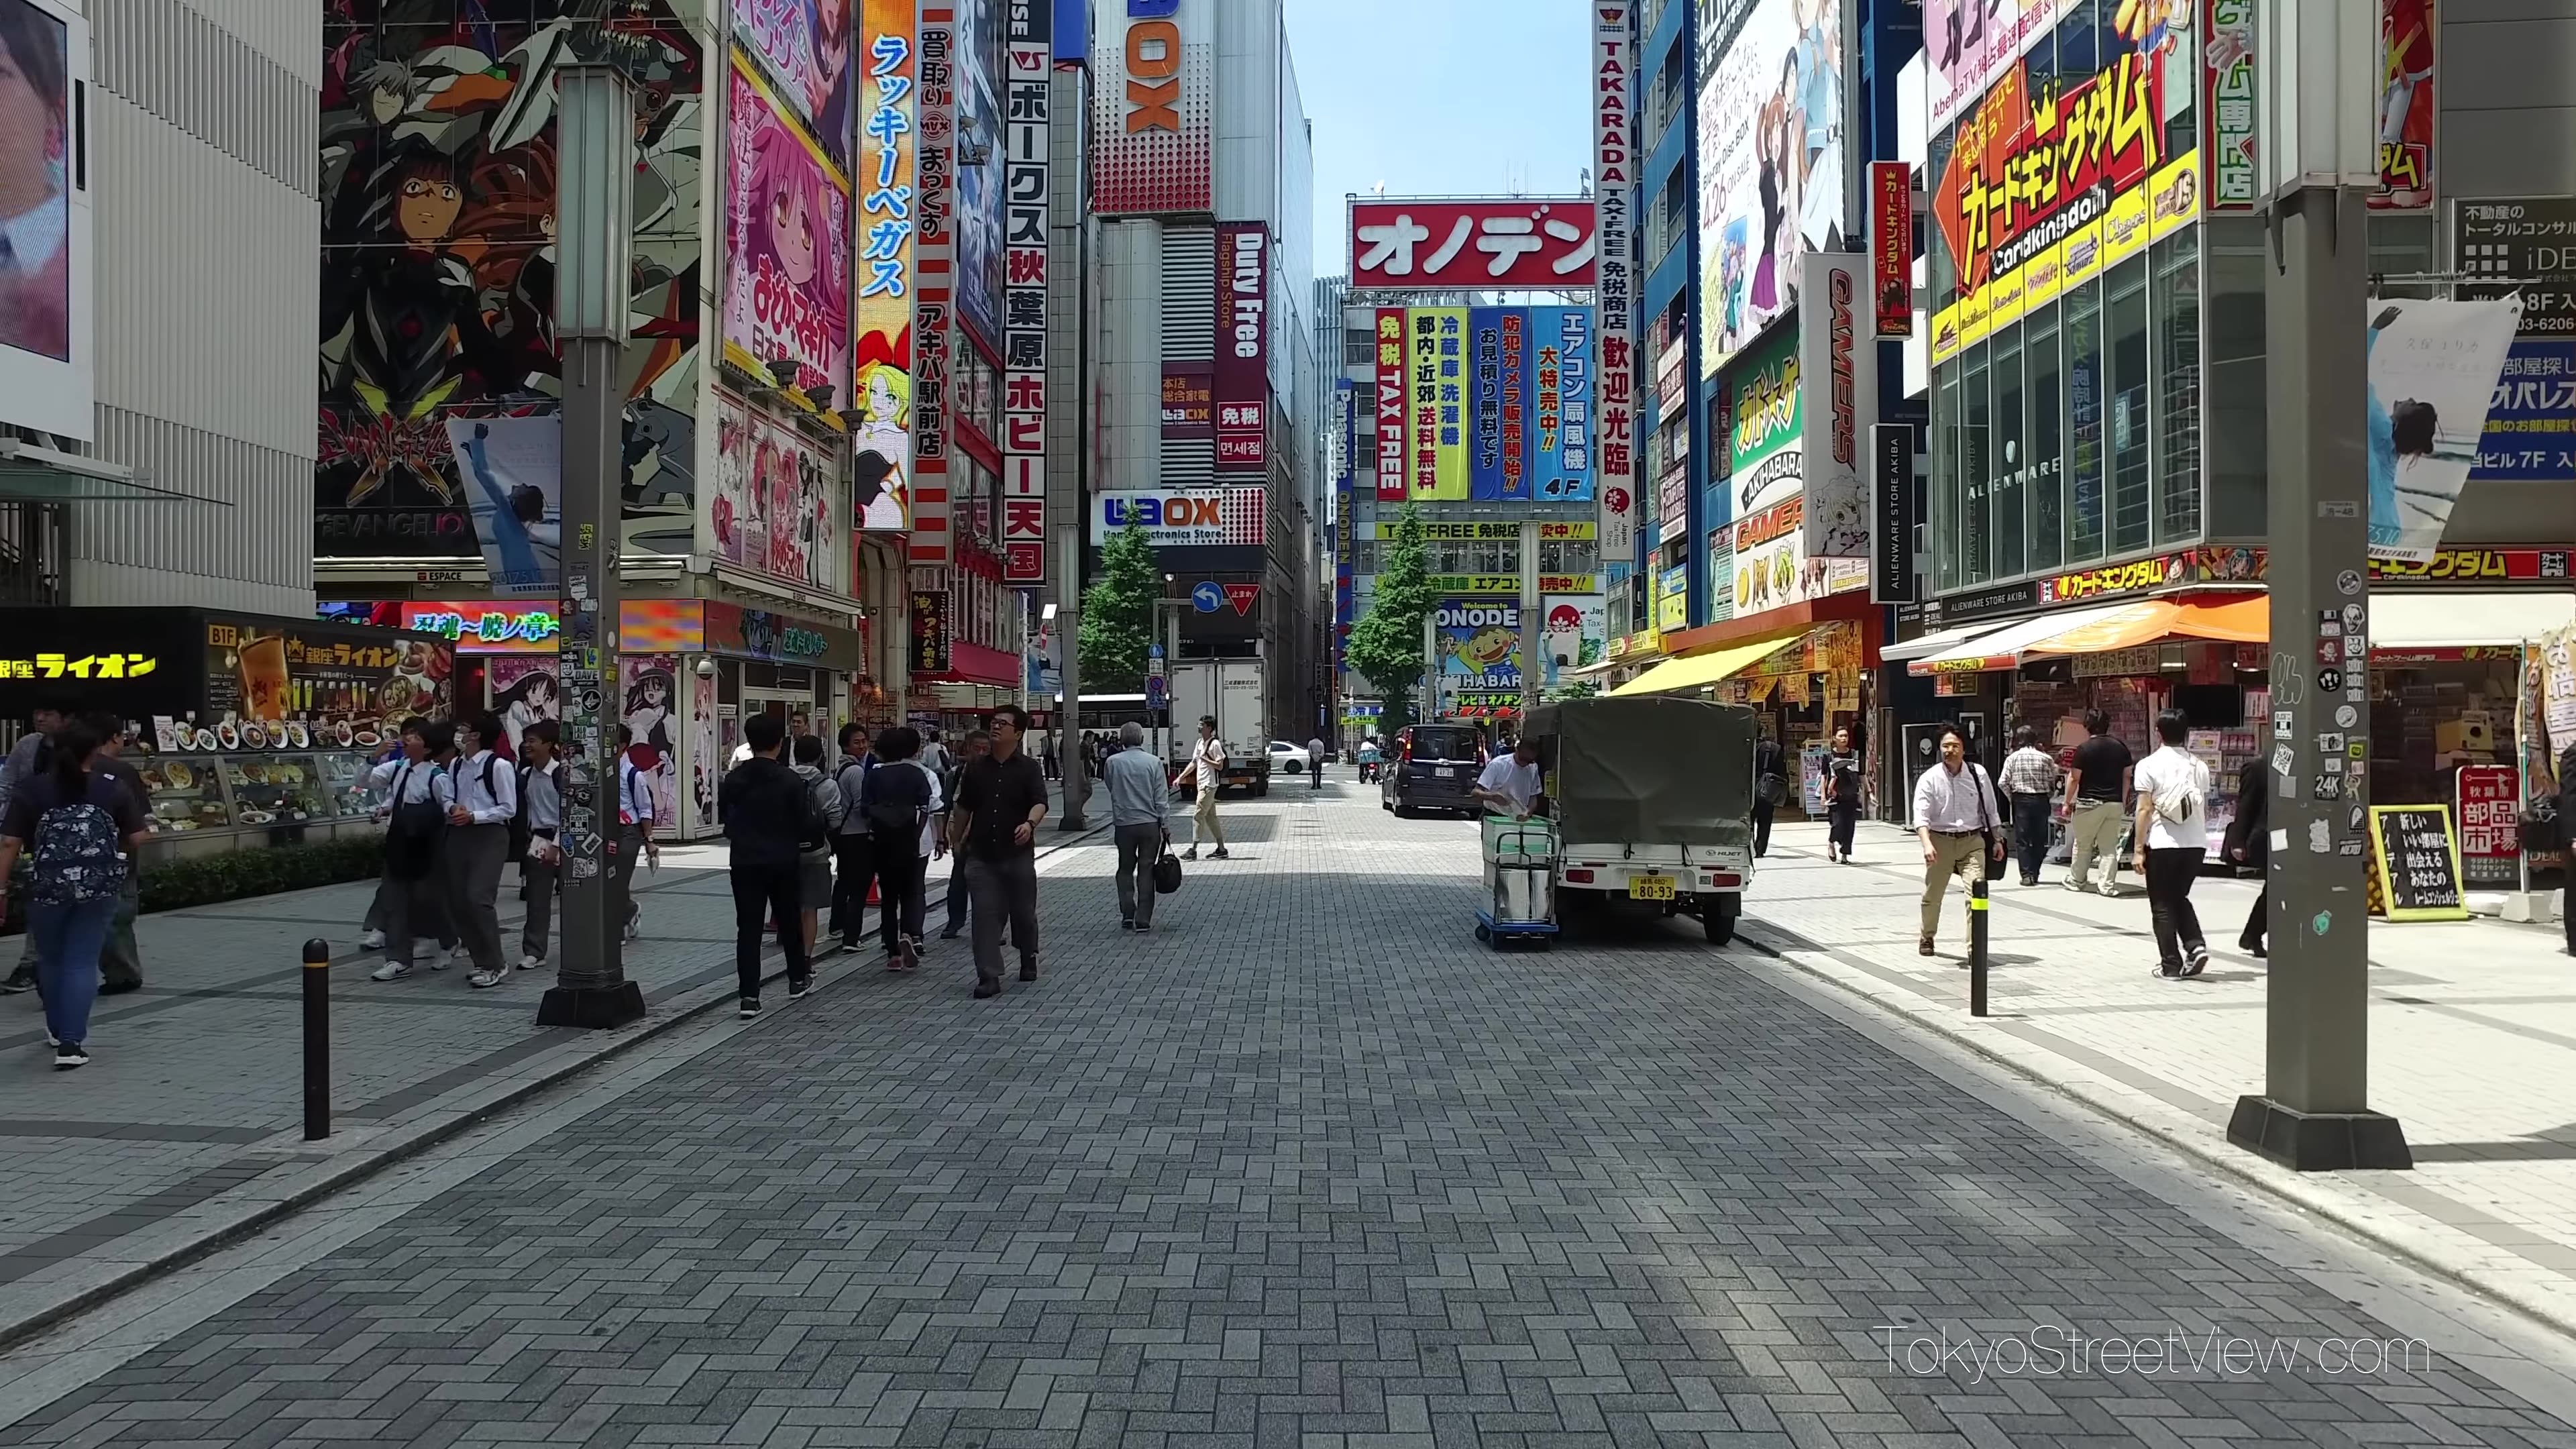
(2432, 368)
(2405, 113)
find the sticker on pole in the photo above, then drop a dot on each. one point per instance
(2348, 583)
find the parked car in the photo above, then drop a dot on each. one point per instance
(1432, 767)
(1288, 757)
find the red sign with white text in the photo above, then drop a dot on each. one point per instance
(1891, 248)
(1390, 405)
(1522, 241)
(1243, 597)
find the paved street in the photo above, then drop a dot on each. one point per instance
(1306, 1167)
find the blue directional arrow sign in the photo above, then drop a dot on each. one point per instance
(1207, 598)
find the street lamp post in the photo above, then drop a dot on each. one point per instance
(594, 189)
(2319, 158)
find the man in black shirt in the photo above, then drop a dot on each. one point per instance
(2097, 805)
(766, 810)
(1000, 801)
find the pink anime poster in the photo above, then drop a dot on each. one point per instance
(787, 245)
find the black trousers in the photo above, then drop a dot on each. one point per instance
(1762, 825)
(2255, 919)
(2030, 834)
(857, 866)
(2567, 901)
(899, 898)
(759, 892)
(1842, 822)
(2170, 874)
(957, 892)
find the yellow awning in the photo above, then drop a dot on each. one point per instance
(1699, 670)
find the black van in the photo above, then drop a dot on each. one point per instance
(1433, 767)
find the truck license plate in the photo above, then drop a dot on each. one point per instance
(1448, 774)
(1650, 887)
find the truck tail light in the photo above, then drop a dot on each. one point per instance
(1578, 875)
(1722, 880)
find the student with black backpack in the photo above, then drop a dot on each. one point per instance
(27, 759)
(768, 815)
(533, 833)
(901, 797)
(419, 796)
(852, 841)
(81, 831)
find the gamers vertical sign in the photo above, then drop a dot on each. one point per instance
(1613, 197)
(1025, 191)
(1242, 347)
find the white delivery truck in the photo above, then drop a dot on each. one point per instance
(1652, 798)
(1235, 691)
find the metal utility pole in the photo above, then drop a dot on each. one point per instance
(594, 189)
(1068, 627)
(1431, 664)
(2320, 162)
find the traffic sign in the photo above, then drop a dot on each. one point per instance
(1208, 597)
(1153, 651)
(1154, 696)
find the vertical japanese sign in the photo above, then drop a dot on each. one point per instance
(1485, 404)
(1025, 191)
(2228, 77)
(881, 378)
(2405, 110)
(2490, 809)
(1242, 347)
(1393, 464)
(1561, 451)
(1891, 535)
(1840, 373)
(1514, 440)
(1891, 249)
(1439, 363)
(1614, 192)
(1346, 420)
(934, 205)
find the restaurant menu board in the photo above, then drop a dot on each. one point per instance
(2419, 862)
(266, 671)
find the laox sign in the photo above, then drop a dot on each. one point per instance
(1153, 53)
(1177, 511)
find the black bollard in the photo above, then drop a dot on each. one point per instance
(317, 1040)
(1977, 947)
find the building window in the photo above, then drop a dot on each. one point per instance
(2177, 345)
(2084, 391)
(2239, 260)
(1976, 469)
(1951, 539)
(1359, 347)
(2131, 428)
(2009, 457)
(2046, 405)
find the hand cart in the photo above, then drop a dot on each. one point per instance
(1520, 882)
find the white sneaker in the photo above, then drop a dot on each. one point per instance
(441, 960)
(371, 941)
(390, 971)
(532, 963)
(482, 979)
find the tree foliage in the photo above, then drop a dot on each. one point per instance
(1386, 642)
(1118, 614)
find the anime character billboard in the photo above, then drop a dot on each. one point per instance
(787, 245)
(437, 183)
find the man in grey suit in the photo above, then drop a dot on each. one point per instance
(1137, 794)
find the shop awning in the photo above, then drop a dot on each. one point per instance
(33, 474)
(1705, 669)
(1595, 671)
(1934, 642)
(2003, 647)
(2466, 618)
(2234, 621)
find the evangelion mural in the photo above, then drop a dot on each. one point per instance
(438, 179)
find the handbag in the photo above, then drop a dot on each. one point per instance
(1167, 869)
(1986, 812)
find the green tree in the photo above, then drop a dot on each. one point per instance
(1578, 689)
(1386, 643)
(1118, 614)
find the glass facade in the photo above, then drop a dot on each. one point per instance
(2066, 275)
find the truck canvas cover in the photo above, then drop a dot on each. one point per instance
(1649, 771)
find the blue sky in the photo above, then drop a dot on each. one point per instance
(1440, 97)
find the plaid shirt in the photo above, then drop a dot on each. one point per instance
(2029, 771)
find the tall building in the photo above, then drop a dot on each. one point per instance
(1207, 390)
(156, 306)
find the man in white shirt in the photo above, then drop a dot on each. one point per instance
(1954, 816)
(2173, 835)
(1206, 770)
(1510, 784)
(1315, 763)
(478, 840)
(541, 778)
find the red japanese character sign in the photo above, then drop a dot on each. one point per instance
(1537, 242)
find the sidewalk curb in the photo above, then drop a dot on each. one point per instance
(2244, 1168)
(268, 1198)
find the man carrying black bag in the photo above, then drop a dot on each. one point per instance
(1137, 791)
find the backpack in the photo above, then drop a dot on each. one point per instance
(895, 806)
(413, 830)
(74, 856)
(2174, 807)
(813, 822)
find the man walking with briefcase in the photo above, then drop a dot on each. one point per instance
(1137, 791)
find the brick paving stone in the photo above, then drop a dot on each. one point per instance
(1307, 1166)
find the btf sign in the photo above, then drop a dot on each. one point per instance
(1153, 66)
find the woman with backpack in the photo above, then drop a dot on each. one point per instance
(419, 794)
(81, 832)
